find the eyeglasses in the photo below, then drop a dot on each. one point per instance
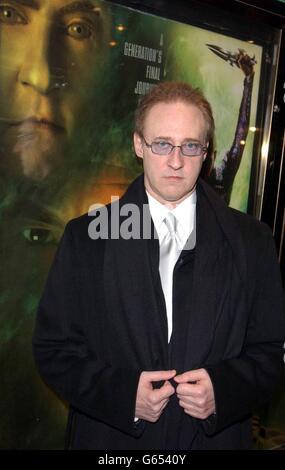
(189, 149)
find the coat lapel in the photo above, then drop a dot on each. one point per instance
(203, 311)
(216, 259)
(131, 276)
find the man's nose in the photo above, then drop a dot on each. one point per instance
(36, 68)
(176, 159)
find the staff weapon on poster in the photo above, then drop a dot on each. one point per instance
(232, 58)
(222, 174)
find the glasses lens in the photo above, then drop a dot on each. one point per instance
(161, 147)
(191, 149)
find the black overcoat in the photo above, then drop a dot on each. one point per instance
(99, 326)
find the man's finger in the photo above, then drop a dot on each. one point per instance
(163, 392)
(186, 389)
(157, 375)
(191, 376)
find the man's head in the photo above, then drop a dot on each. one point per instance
(173, 114)
(52, 56)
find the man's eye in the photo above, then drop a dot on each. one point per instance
(79, 30)
(11, 16)
(163, 144)
(39, 236)
(192, 145)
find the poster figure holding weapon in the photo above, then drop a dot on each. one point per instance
(222, 175)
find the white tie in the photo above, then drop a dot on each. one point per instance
(169, 253)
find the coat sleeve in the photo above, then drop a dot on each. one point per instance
(61, 351)
(243, 383)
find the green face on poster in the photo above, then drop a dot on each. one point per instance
(53, 58)
(54, 105)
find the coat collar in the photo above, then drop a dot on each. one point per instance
(227, 222)
(224, 216)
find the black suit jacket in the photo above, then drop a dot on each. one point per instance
(99, 326)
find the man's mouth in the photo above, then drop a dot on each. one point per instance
(174, 177)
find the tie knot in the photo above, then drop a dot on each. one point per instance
(171, 223)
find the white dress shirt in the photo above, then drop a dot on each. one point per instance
(185, 213)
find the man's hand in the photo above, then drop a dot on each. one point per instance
(196, 394)
(150, 401)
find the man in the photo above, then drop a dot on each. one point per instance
(165, 341)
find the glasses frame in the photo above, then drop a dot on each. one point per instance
(202, 147)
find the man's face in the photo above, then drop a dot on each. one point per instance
(171, 178)
(49, 51)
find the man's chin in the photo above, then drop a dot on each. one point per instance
(174, 197)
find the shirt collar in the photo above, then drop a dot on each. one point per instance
(184, 212)
(158, 211)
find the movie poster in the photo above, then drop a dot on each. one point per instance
(70, 77)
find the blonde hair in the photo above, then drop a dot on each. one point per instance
(170, 92)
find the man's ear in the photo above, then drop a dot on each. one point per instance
(138, 145)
